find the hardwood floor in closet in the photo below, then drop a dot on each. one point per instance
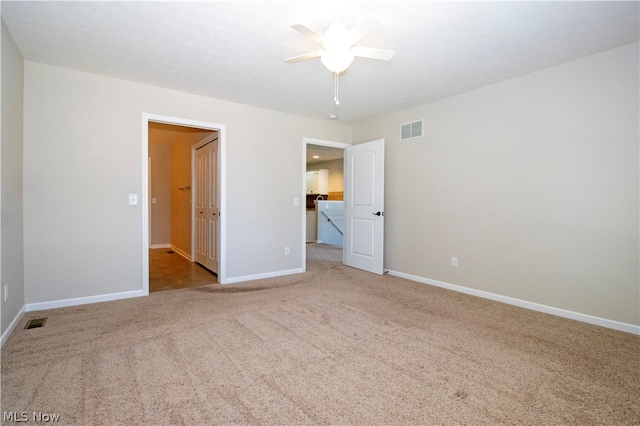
(169, 271)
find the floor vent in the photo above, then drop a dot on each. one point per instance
(35, 323)
(170, 252)
(411, 130)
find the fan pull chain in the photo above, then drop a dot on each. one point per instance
(335, 88)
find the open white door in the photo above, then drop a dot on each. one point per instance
(364, 206)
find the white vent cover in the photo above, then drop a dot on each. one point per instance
(411, 130)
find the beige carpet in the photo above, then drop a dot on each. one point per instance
(332, 346)
(323, 252)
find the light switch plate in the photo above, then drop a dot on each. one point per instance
(133, 199)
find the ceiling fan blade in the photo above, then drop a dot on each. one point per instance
(313, 35)
(363, 29)
(373, 53)
(304, 57)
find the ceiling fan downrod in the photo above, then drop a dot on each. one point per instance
(335, 89)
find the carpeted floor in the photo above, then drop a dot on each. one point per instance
(319, 252)
(332, 346)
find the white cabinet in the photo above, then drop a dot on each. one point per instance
(318, 182)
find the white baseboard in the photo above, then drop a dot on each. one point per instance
(30, 307)
(603, 322)
(12, 326)
(174, 248)
(159, 246)
(262, 276)
(181, 253)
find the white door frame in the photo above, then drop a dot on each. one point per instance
(222, 167)
(310, 141)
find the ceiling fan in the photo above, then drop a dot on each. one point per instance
(339, 50)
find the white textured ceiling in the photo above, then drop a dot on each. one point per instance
(235, 50)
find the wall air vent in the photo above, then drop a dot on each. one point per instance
(411, 130)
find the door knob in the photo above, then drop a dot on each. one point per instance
(378, 213)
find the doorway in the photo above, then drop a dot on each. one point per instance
(173, 192)
(167, 213)
(323, 184)
(363, 207)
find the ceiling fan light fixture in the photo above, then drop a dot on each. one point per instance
(337, 60)
(339, 50)
(336, 37)
(337, 56)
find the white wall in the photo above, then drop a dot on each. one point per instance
(532, 183)
(82, 157)
(11, 251)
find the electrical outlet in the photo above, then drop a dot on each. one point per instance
(287, 251)
(454, 261)
(6, 292)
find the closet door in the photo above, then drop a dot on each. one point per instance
(206, 205)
